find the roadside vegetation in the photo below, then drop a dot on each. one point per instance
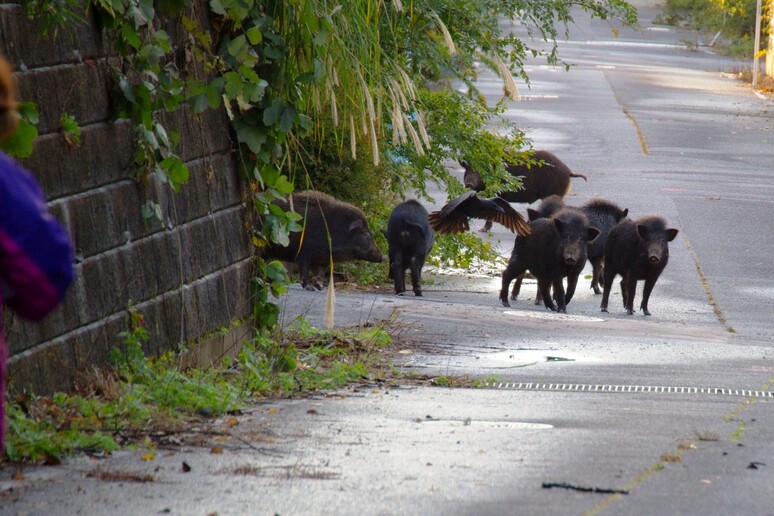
(728, 24)
(138, 398)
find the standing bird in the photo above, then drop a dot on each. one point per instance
(453, 217)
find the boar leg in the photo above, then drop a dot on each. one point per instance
(399, 274)
(416, 271)
(303, 274)
(544, 285)
(517, 287)
(572, 283)
(646, 290)
(559, 295)
(596, 275)
(624, 293)
(607, 285)
(631, 289)
(514, 270)
(539, 298)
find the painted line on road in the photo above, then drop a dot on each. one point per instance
(652, 389)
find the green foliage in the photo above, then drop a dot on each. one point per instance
(32, 439)
(70, 129)
(20, 144)
(140, 394)
(734, 18)
(461, 251)
(55, 14)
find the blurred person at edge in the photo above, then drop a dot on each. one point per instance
(36, 256)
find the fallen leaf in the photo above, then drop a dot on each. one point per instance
(706, 481)
(272, 411)
(216, 449)
(232, 421)
(148, 456)
(186, 467)
(18, 476)
(312, 411)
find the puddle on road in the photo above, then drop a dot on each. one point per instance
(513, 359)
(505, 425)
(553, 316)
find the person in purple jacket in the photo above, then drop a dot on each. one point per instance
(36, 255)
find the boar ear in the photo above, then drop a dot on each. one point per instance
(559, 226)
(671, 234)
(532, 214)
(356, 224)
(624, 213)
(643, 231)
(591, 234)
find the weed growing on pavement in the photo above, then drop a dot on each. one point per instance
(138, 397)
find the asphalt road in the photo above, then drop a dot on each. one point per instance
(666, 414)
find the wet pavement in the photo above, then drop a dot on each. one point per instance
(584, 412)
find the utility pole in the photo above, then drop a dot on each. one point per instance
(757, 43)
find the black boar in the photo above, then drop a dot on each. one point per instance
(410, 239)
(555, 249)
(603, 215)
(453, 217)
(548, 207)
(350, 238)
(637, 250)
(552, 177)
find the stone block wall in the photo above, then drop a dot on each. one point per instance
(188, 273)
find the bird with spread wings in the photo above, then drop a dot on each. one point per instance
(453, 217)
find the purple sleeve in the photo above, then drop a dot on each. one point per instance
(36, 256)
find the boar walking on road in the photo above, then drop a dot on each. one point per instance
(603, 215)
(410, 239)
(555, 249)
(637, 250)
(551, 177)
(350, 238)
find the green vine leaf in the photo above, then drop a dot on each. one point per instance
(70, 129)
(20, 144)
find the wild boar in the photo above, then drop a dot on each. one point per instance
(410, 239)
(551, 177)
(322, 215)
(637, 250)
(555, 249)
(603, 215)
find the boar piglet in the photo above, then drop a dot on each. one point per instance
(410, 239)
(603, 215)
(637, 250)
(350, 238)
(555, 249)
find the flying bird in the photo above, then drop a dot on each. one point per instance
(453, 217)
